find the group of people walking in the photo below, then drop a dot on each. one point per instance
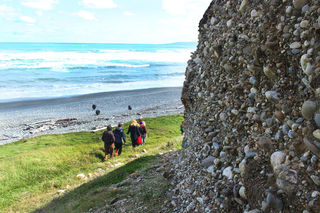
(116, 138)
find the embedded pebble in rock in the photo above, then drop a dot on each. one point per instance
(316, 134)
(208, 161)
(253, 211)
(279, 115)
(272, 202)
(304, 24)
(277, 158)
(265, 143)
(308, 109)
(287, 181)
(298, 4)
(272, 96)
(310, 146)
(315, 179)
(242, 192)
(242, 167)
(315, 194)
(295, 45)
(227, 172)
(317, 119)
(243, 5)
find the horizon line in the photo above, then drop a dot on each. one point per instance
(96, 42)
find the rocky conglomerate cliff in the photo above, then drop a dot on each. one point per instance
(252, 111)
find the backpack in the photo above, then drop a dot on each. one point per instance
(143, 129)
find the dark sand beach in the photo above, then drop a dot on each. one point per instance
(24, 119)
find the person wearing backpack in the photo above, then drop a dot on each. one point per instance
(119, 138)
(108, 139)
(134, 131)
(143, 131)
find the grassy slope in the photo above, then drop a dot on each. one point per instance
(33, 170)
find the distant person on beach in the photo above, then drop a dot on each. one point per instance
(119, 138)
(143, 131)
(134, 130)
(108, 139)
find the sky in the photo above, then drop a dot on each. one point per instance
(101, 21)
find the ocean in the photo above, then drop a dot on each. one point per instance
(32, 71)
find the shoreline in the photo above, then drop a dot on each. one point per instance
(25, 119)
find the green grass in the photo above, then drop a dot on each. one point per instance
(33, 170)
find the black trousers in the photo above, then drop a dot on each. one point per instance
(118, 147)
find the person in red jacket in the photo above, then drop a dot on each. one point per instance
(108, 139)
(143, 131)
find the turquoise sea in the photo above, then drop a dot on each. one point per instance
(49, 70)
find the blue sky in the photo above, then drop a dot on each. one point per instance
(100, 21)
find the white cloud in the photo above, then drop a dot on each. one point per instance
(185, 7)
(39, 13)
(27, 19)
(40, 4)
(184, 19)
(127, 13)
(86, 15)
(99, 4)
(8, 13)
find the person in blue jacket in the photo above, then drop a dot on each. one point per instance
(120, 138)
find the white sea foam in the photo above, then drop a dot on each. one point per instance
(32, 60)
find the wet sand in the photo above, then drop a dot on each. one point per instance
(24, 119)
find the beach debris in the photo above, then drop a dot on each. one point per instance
(129, 107)
(94, 106)
(97, 112)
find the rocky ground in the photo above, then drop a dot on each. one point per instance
(143, 191)
(252, 111)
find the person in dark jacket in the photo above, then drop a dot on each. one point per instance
(108, 139)
(143, 131)
(134, 130)
(119, 137)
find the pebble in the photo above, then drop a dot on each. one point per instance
(298, 4)
(304, 24)
(273, 202)
(317, 119)
(81, 176)
(243, 5)
(315, 179)
(315, 194)
(61, 191)
(242, 192)
(242, 167)
(308, 109)
(265, 143)
(279, 115)
(208, 161)
(272, 96)
(295, 45)
(277, 158)
(316, 134)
